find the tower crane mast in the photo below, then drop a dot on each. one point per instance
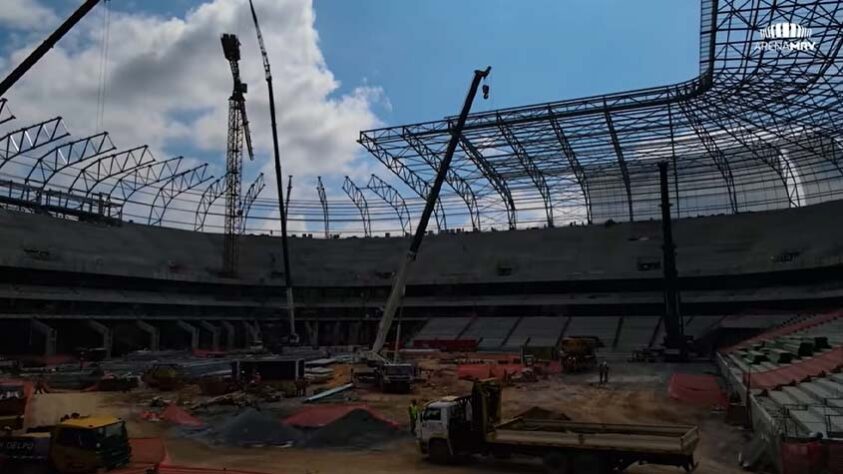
(238, 131)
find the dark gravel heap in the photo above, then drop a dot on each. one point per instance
(252, 427)
(357, 429)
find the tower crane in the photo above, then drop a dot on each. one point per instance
(282, 206)
(238, 130)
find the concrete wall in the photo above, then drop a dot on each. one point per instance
(719, 245)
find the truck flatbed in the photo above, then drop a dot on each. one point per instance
(662, 439)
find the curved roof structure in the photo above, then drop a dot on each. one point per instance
(757, 129)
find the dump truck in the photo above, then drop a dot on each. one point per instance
(12, 404)
(577, 353)
(455, 427)
(75, 445)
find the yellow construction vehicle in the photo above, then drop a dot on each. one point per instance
(577, 353)
(74, 446)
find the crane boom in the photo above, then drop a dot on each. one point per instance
(396, 294)
(265, 57)
(282, 210)
(46, 46)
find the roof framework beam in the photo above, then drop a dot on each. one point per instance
(66, 155)
(249, 198)
(405, 174)
(359, 199)
(209, 196)
(390, 196)
(452, 177)
(28, 138)
(719, 158)
(5, 114)
(109, 166)
(616, 144)
(571, 156)
(495, 180)
(323, 200)
(534, 172)
(174, 186)
(760, 149)
(145, 176)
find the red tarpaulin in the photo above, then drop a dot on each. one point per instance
(700, 390)
(800, 457)
(801, 370)
(835, 457)
(318, 416)
(149, 451)
(179, 416)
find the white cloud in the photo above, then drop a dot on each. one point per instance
(168, 85)
(25, 14)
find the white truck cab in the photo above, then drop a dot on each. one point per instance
(439, 422)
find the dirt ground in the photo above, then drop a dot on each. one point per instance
(637, 394)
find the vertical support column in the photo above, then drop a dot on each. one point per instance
(312, 328)
(50, 336)
(215, 334)
(229, 333)
(193, 331)
(354, 333)
(154, 334)
(107, 335)
(252, 333)
(335, 338)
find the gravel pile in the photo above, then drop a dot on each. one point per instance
(251, 428)
(358, 429)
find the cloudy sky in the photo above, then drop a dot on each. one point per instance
(340, 66)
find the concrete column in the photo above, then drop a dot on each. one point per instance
(312, 329)
(50, 336)
(335, 338)
(154, 334)
(106, 333)
(215, 334)
(354, 333)
(252, 333)
(193, 331)
(229, 334)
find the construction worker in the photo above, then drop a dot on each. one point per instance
(414, 415)
(301, 387)
(604, 372)
(40, 386)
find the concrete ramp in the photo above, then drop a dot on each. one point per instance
(636, 332)
(442, 328)
(540, 331)
(603, 327)
(491, 332)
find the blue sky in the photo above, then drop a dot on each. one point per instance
(421, 52)
(388, 62)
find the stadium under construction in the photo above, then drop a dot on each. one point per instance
(549, 224)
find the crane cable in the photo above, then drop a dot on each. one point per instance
(102, 89)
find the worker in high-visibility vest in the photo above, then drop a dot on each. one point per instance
(414, 415)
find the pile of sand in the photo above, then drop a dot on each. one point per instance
(251, 428)
(357, 429)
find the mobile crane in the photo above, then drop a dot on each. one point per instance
(390, 373)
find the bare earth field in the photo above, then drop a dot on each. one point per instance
(636, 394)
